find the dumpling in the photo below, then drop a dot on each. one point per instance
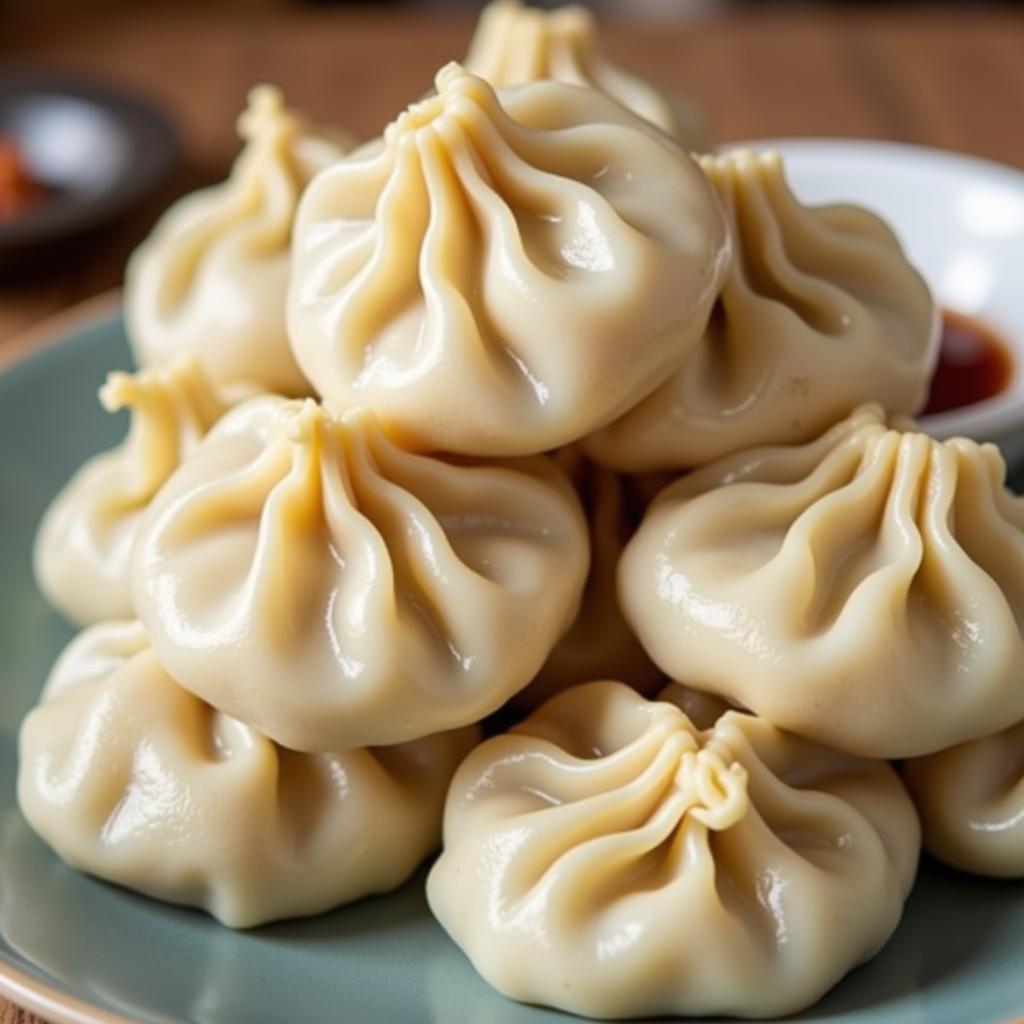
(130, 777)
(212, 277)
(865, 589)
(971, 802)
(600, 643)
(502, 275)
(515, 44)
(819, 313)
(85, 538)
(306, 575)
(608, 859)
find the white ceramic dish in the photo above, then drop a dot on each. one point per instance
(961, 220)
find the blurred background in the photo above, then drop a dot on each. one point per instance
(948, 75)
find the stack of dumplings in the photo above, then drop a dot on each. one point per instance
(520, 422)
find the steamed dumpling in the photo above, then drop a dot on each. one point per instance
(84, 541)
(130, 777)
(971, 802)
(515, 44)
(820, 312)
(600, 642)
(608, 859)
(502, 275)
(212, 277)
(865, 589)
(308, 576)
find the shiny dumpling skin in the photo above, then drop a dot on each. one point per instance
(600, 642)
(84, 541)
(515, 44)
(501, 274)
(130, 777)
(864, 590)
(310, 577)
(820, 312)
(212, 277)
(971, 802)
(608, 859)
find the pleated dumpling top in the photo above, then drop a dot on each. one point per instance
(212, 277)
(305, 574)
(501, 273)
(607, 858)
(84, 542)
(865, 589)
(820, 312)
(515, 44)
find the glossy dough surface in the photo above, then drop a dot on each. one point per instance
(865, 589)
(85, 538)
(515, 44)
(971, 802)
(212, 277)
(820, 312)
(606, 858)
(491, 276)
(600, 642)
(303, 573)
(132, 778)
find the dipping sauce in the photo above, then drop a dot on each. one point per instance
(974, 364)
(19, 191)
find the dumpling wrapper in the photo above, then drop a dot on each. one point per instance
(306, 575)
(84, 542)
(502, 274)
(820, 312)
(600, 642)
(971, 802)
(608, 859)
(515, 44)
(212, 277)
(131, 778)
(865, 589)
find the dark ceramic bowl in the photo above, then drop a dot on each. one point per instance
(100, 151)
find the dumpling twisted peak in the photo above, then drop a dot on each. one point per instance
(515, 44)
(211, 278)
(84, 541)
(308, 576)
(865, 589)
(820, 311)
(607, 858)
(499, 274)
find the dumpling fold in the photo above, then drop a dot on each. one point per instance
(131, 778)
(820, 312)
(305, 574)
(865, 589)
(500, 274)
(971, 802)
(212, 277)
(607, 858)
(83, 546)
(515, 44)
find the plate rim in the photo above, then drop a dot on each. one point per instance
(39, 344)
(28, 993)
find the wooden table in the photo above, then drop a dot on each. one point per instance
(942, 77)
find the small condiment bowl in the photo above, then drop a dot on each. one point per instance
(961, 221)
(99, 150)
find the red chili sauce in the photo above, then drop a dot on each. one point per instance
(974, 364)
(20, 193)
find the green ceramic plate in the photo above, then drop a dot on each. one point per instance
(69, 943)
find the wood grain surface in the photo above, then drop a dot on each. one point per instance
(945, 77)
